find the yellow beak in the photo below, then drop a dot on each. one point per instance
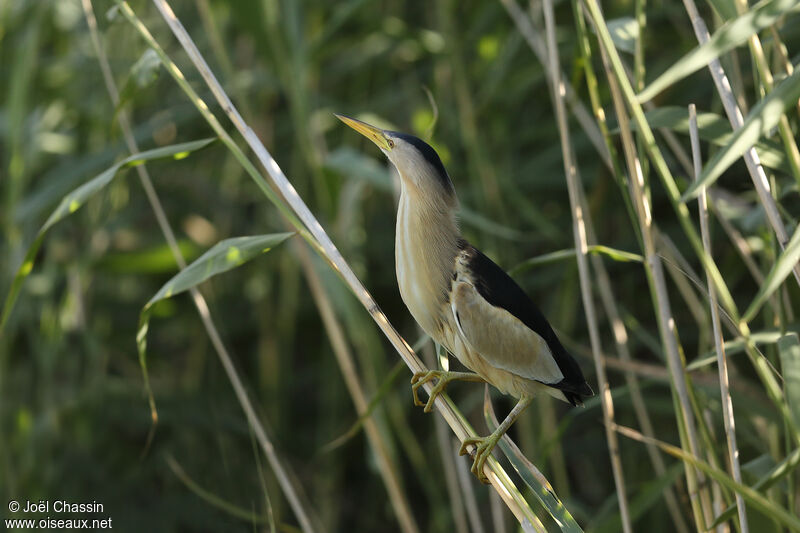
(372, 133)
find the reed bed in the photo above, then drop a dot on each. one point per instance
(634, 165)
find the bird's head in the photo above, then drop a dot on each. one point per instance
(417, 162)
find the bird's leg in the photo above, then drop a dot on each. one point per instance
(485, 445)
(443, 377)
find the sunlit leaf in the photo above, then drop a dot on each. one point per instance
(560, 255)
(223, 256)
(624, 32)
(729, 36)
(77, 198)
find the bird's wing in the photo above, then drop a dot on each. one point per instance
(498, 320)
(500, 338)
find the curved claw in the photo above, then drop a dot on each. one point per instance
(420, 378)
(482, 452)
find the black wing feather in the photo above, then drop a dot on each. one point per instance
(497, 288)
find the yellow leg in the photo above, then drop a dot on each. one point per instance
(443, 378)
(485, 445)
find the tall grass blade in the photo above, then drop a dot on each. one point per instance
(729, 36)
(753, 497)
(614, 254)
(78, 197)
(789, 349)
(761, 120)
(779, 271)
(722, 361)
(777, 473)
(717, 130)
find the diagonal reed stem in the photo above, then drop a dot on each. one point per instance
(311, 230)
(344, 357)
(751, 159)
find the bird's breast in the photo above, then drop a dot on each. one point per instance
(423, 299)
(425, 250)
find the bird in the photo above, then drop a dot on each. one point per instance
(463, 300)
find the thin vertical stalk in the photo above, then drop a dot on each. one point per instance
(579, 234)
(638, 51)
(483, 174)
(468, 493)
(620, 334)
(719, 341)
(655, 273)
(539, 48)
(751, 159)
(498, 515)
(303, 515)
(618, 328)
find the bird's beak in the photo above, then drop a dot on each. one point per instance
(372, 133)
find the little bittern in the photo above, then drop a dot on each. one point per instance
(463, 300)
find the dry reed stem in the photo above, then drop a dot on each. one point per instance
(620, 334)
(579, 233)
(722, 364)
(303, 516)
(468, 493)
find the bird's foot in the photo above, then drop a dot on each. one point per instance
(442, 378)
(483, 450)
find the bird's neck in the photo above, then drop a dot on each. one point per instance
(426, 244)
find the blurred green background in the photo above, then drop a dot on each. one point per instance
(75, 419)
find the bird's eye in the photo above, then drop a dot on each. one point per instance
(391, 143)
